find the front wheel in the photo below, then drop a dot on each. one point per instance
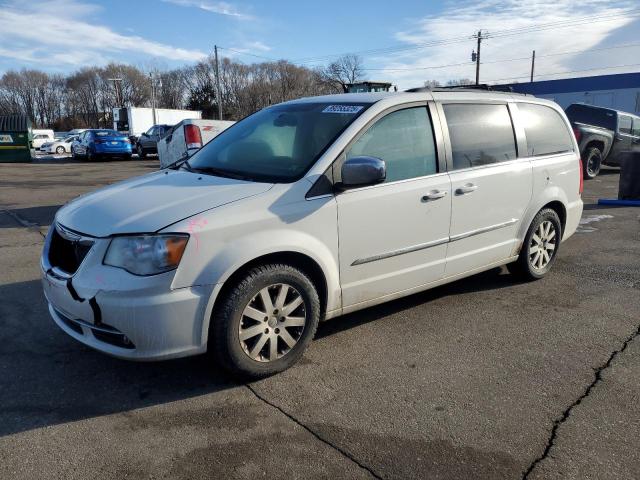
(140, 152)
(592, 163)
(540, 246)
(265, 322)
(60, 150)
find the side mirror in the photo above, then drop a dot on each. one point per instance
(363, 171)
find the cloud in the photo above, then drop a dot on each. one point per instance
(221, 8)
(407, 67)
(35, 32)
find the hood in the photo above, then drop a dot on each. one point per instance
(151, 202)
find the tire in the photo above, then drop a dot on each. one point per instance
(60, 150)
(242, 313)
(140, 151)
(90, 157)
(530, 266)
(127, 157)
(592, 163)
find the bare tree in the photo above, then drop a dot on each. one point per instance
(460, 82)
(345, 70)
(86, 98)
(431, 83)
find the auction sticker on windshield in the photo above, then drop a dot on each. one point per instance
(6, 139)
(342, 109)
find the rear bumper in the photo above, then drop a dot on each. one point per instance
(102, 150)
(574, 214)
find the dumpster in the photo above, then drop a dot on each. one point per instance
(629, 184)
(15, 138)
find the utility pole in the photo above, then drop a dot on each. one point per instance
(533, 63)
(477, 56)
(153, 97)
(217, 71)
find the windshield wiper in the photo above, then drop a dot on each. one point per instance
(219, 172)
(178, 163)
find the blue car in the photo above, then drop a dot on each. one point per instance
(101, 143)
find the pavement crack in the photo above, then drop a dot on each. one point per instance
(587, 391)
(319, 437)
(24, 222)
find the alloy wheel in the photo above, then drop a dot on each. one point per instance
(542, 245)
(593, 166)
(272, 323)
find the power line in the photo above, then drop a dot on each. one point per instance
(271, 59)
(526, 75)
(496, 34)
(504, 60)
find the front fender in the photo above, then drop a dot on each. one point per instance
(235, 255)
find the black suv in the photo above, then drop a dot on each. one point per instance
(147, 143)
(603, 135)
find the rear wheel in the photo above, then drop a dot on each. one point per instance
(592, 162)
(265, 322)
(540, 246)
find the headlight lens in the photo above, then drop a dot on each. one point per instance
(146, 254)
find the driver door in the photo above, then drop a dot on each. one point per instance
(393, 236)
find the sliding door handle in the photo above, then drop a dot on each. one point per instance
(468, 188)
(434, 195)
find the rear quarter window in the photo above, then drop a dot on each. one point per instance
(546, 131)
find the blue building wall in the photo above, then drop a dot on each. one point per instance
(619, 91)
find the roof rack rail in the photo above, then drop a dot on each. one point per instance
(482, 86)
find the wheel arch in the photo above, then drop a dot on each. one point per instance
(560, 209)
(554, 198)
(303, 262)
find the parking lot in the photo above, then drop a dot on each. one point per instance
(487, 377)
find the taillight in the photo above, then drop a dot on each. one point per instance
(581, 173)
(577, 133)
(100, 141)
(192, 136)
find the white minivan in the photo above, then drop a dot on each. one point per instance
(308, 210)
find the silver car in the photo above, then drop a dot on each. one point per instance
(308, 210)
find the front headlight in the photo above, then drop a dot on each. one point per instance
(146, 254)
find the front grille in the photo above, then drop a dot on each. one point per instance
(67, 254)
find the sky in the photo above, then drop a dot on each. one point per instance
(404, 42)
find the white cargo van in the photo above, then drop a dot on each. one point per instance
(187, 137)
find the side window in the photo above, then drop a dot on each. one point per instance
(636, 127)
(624, 124)
(546, 131)
(480, 134)
(404, 140)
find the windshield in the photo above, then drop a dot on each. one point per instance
(277, 144)
(106, 133)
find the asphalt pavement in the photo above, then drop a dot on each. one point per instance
(485, 378)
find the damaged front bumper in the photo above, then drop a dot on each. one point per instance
(130, 317)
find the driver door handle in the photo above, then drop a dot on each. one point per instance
(434, 195)
(467, 188)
